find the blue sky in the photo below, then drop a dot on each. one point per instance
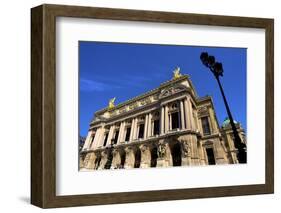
(125, 70)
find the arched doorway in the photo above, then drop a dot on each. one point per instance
(123, 158)
(97, 162)
(176, 154)
(137, 158)
(154, 156)
(109, 160)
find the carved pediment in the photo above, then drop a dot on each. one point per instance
(203, 111)
(172, 90)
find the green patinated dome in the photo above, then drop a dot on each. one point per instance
(226, 122)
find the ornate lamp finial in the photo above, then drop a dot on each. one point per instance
(111, 103)
(177, 73)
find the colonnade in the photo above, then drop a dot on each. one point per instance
(96, 138)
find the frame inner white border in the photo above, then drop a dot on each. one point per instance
(69, 181)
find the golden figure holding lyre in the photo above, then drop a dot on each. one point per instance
(111, 103)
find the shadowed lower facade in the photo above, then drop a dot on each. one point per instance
(167, 126)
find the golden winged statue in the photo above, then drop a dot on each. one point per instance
(177, 73)
(111, 103)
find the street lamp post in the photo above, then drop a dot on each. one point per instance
(216, 68)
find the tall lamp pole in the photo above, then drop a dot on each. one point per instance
(216, 68)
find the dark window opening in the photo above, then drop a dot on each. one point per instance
(128, 132)
(154, 157)
(175, 120)
(211, 157)
(156, 127)
(116, 137)
(176, 154)
(205, 126)
(141, 130)
(137, 159)
(105, 139)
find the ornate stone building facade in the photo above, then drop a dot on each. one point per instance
(167, 126)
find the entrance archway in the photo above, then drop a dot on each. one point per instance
(109, 160)
(154, 156)
(97, 162)
(123, 158)
(176, 154)
(137, 158)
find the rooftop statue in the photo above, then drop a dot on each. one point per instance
(111, 103)
(177, 73)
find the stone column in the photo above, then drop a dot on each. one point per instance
(191, 115)
(88, 140)
(201, 154)
(187, 115)
(149, 130)
(145, 126)
(195, 159)
(186, 151)
(196, 120)
(213, 123)
(135, 129)
(170, 121)
(132, 129)
(182, 115)
(96, 139)
(162, 120)
(121, 132)
(219, 152)
(166, 119)
(100, 138)
(110, 134)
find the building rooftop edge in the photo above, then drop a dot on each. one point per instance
(164, 84)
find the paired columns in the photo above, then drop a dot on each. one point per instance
(188, 112)
(187, 121)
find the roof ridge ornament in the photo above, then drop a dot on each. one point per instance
(177, 73)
